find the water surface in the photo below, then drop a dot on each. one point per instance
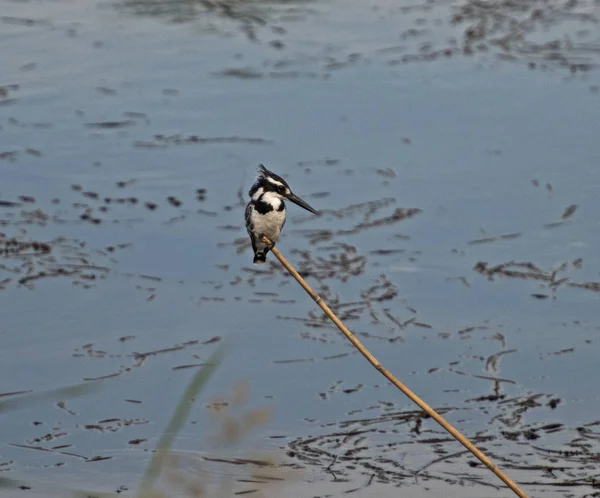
(130, 133)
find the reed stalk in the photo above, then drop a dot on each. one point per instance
(388, 375)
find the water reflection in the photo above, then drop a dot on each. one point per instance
(248, 15)
(542, 35)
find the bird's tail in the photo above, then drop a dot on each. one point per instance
(260, 257)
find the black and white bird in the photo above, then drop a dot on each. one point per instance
(265, 213)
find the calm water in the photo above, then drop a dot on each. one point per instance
(115, 115)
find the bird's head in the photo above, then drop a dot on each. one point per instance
(274, 185)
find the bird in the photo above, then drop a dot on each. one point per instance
(265, 213)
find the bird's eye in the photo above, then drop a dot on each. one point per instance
(281, 189)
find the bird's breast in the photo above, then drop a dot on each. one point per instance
(269, 224)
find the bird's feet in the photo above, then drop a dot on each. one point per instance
(267, 241)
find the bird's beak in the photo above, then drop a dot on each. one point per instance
(303, 204)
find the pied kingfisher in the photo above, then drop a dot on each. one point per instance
(265, 213)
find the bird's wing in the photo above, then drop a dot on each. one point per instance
(248, 216)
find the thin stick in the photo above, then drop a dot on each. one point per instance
(386, 373)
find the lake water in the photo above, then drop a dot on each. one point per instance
(453, 151)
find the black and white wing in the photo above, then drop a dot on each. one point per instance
(248, 217)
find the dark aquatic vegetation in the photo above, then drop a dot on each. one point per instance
(111, 124)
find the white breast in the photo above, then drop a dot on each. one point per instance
(269, 224)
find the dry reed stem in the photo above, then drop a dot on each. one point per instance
(388, 375)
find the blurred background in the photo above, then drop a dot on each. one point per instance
(452, 148)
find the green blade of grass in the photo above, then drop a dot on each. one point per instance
(16, 484)
(8, 483)
(26, 400)
(177, 421)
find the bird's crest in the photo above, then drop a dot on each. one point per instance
(264, 173)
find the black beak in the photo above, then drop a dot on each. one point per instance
(296, 200)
